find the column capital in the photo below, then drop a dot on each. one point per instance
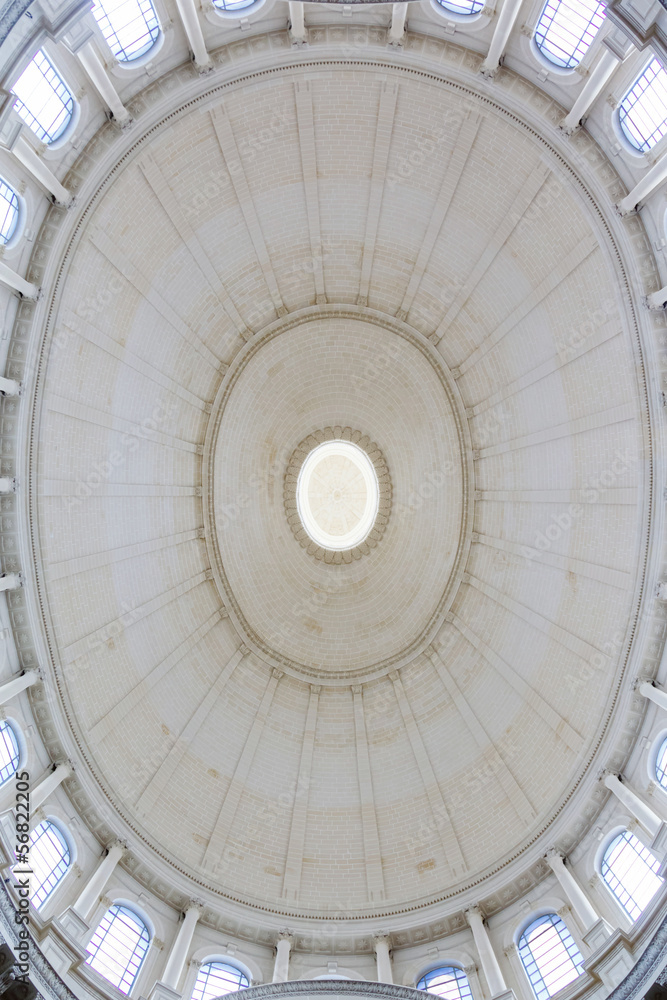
(118, 845)
(554, 857)
(381, 939)
(64, 764)
(285, 935)
(195, 905)
(473, 913)
(38, 816)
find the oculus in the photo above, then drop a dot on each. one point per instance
(337, 494)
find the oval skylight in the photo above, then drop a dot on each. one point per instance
(337, 495)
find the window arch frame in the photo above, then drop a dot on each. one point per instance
(236, 13)
(460, 17)
(68, 840)
(65, 131)
(442, 966)
(545, 58)
(217, 959)
(143, 57)
(142, 916)
(661, 738)
(19, 222)
(617, 118)
(524, 926)
(599, 861)
(19, 739)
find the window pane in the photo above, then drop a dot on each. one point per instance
(643, 111)
(44, 102)
(232, 4)
(463, 6)
(118, 947)
(216, 978)
(661, 764)
(9, 212)
(49, 860)
(549, 955)
(9, 752)
(630, 871)
(130, 27)
(566, 28)
(447, 982)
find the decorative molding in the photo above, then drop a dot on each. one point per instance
(299, 456)
(337, 988)
(266, 652)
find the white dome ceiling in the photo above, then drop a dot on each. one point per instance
(337, 622)
(306, 737)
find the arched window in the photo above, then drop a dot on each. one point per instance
(9, 212)
(631, 872)
(642, 113)
(9, 752)
(119, 946)
(130, 27)
(216, 978)
(462, 6)
(232, 4)
(49, 860)
(566, 28)
(44, 100)
(661, 764)
(446, 982)
(549, 955)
